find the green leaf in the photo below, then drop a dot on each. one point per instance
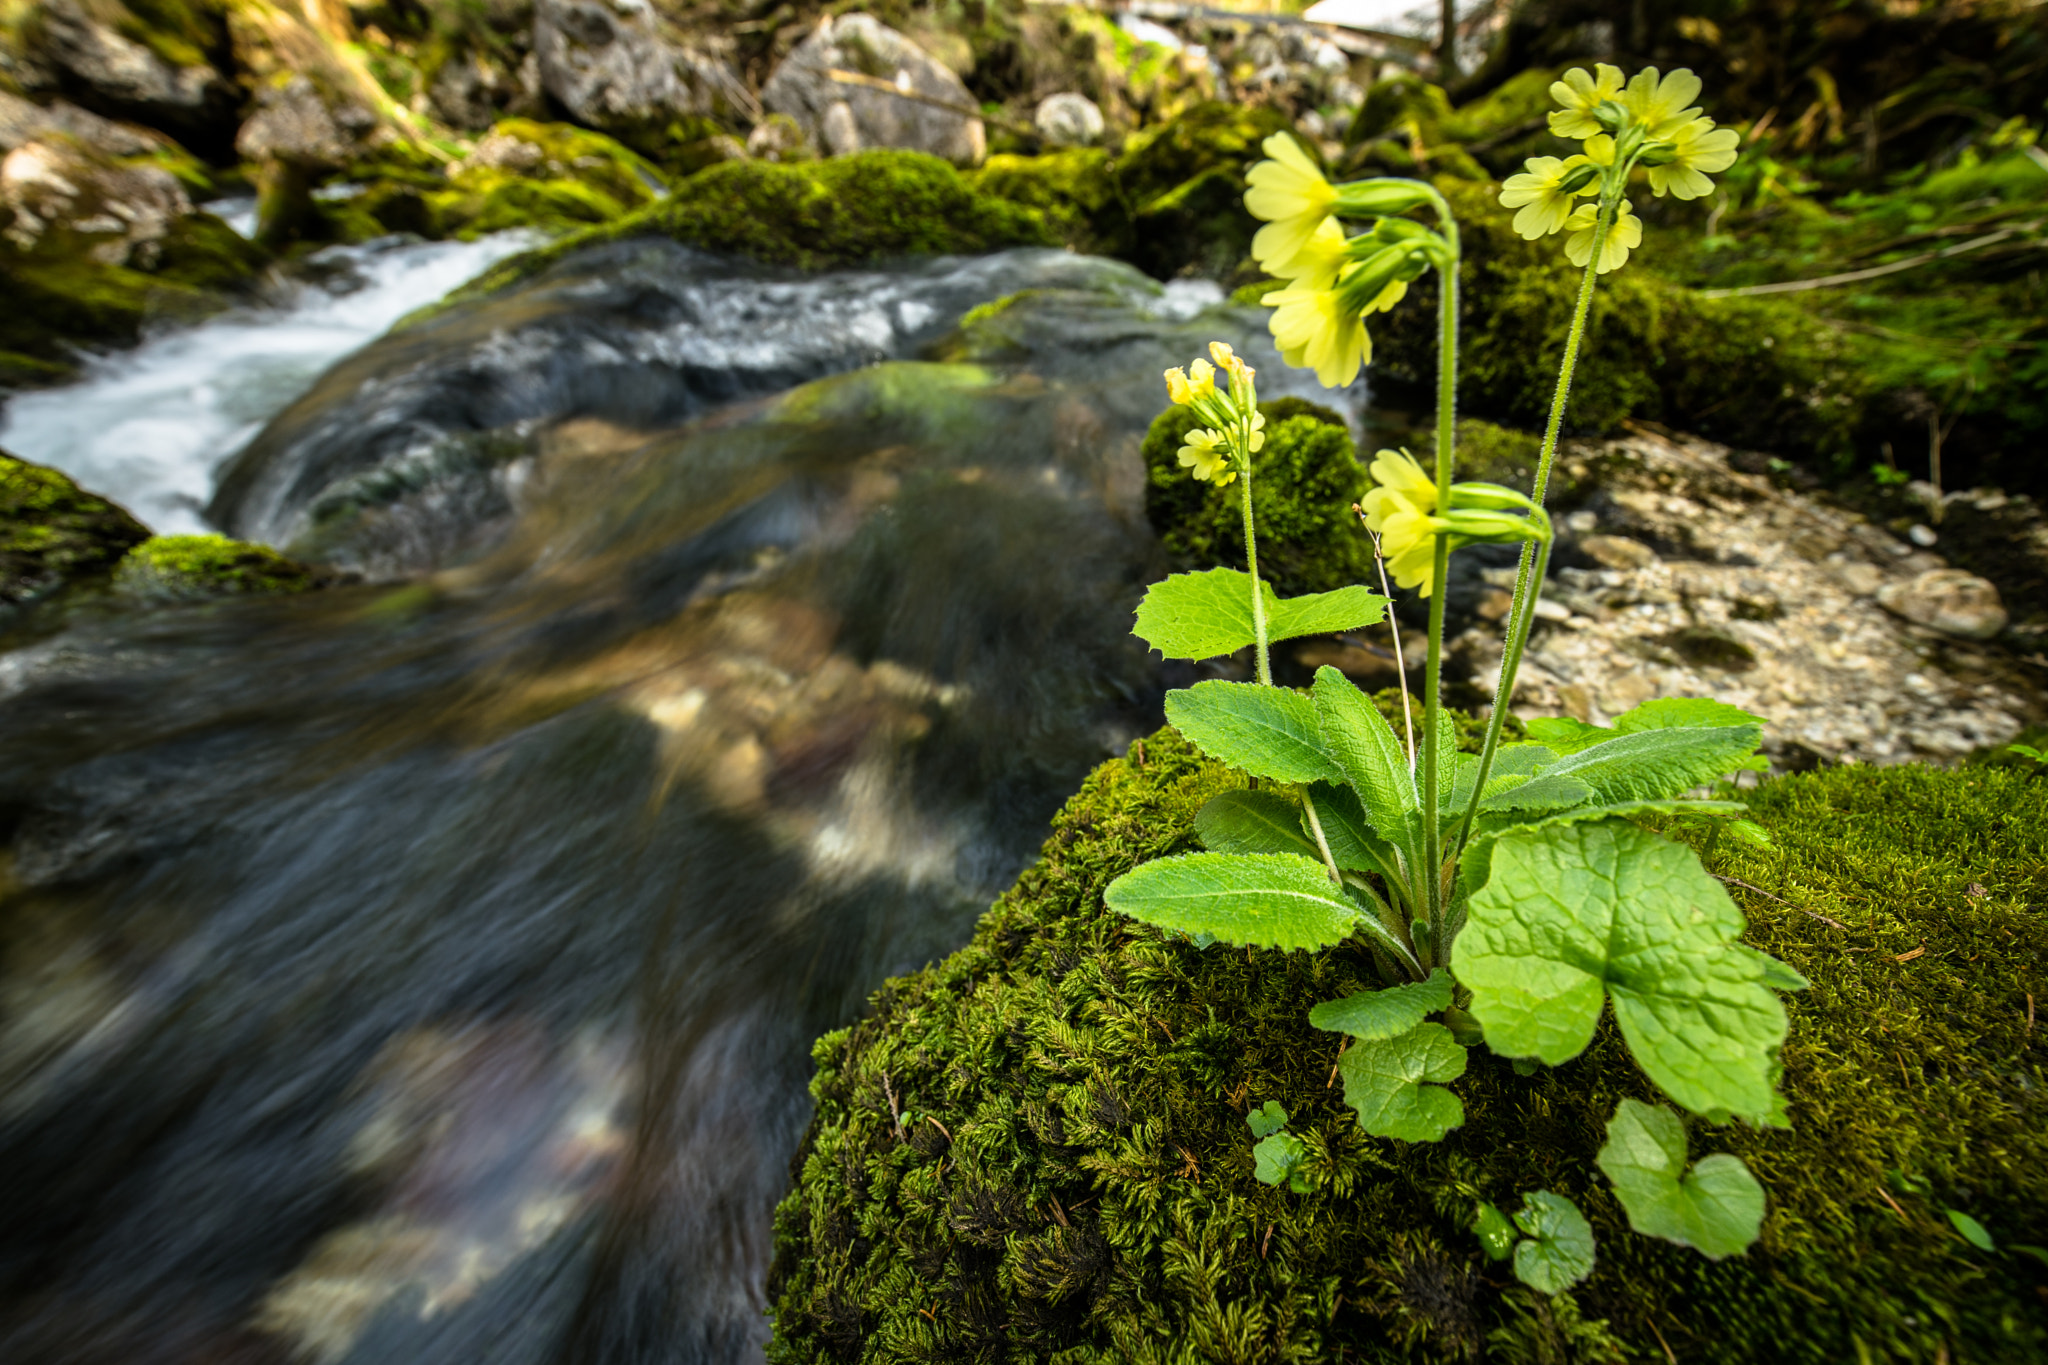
(2029, 751)
(1352, 841)
(1574, 913)
(1972, 1231)
(1267, 731)
(1384, 1081)
(1664, 713)
(1547, 792)
(1207, 614)
(1278, 1158)
(1717, 1208)
(1373, 1015)
(1778, 975)
(1372, 758)
(1256, 900)
(1496, 1233)
(1650, 764)
(1323, 613)
(1563, 735)
(1253, 822)
(1198, 615)
(1558, 1252)
(1751, 833)
(1266, 1120)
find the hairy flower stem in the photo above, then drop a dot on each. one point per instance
(1432, 679)
(1535, 562)
(1251, 559)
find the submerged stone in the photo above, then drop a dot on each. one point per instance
(1036, 1148)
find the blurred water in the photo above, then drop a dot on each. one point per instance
(427, 973)
(150, 426)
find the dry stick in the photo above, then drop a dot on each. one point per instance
(833, 73)
(1393, 628)
(1874, 272)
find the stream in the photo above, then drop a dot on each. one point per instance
(425, 969)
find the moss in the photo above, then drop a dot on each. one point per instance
(187, 568)
(1075, 190)
(1303, 485)
(53, 533)
(1036, 1149)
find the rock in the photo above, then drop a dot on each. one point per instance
(617, 67)
(165, 569)
(84, 54)
(299, 125)
(1948, 600)
(471, 91)
(53, 533)
(930, 114)
(25, 121)
(1617, 552)
(779, 138)
(1068, 120)
(62, 189)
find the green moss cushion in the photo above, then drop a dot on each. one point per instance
(1037, 1150)
(189, 568)
(53, 532)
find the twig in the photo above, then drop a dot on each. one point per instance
(895, 1116)
(1668, 1355)
(934, 1121)
(866, 82)
(2030, 1015)
(1394, 629)
(1810, 914)
(1895, 1208)
(1343, 1043)
(1874, 272)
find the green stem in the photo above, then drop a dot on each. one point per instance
(1446, 437)
(1251, 558)
(1534, 564)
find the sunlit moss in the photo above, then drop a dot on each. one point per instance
(183, 568)
(52, 532)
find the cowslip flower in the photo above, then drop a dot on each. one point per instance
(1189, 389)
(1581, 94)
(1316, 263)
(1291, 195)
(1208, 455)
(1314, 329)
(1398, 510)
(1623, 237)
(1695, 148)
(1661, 105)
(1540, 192)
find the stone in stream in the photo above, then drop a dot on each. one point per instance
(1948, 600)
(1068, 120)
(932, 112)
(61, 187)
(85, 51)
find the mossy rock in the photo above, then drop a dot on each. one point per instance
(1303, 485)
(193, 568)
(53, 533)
(1075, 190)
(816, 215)
(1036, 1149)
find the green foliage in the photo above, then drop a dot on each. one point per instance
(1267, 731)
(1389, 1013)
(52, 532)
(1716, 1208)
(1279, 1154)
(1274, 900)
(1397, 1084)
(1556, 1251)
(1303, 484)
(1082, 1060)
(189, 568)
(1208, 614)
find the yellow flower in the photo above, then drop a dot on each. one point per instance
(1539, 193)
(1662, 106)
(1386, 298)
(1258, 432)
(1397, 509)
(1291, 195)
(1408, 541)
(1580, 95)
(1399, 484)
(1314, 330)
(1316, 264)
(1698, 146)
(1624, 236)
(1207, 454)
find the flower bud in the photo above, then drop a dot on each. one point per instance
(1579, 177)
(1658, 154)
(1489, 496)
(1392, 231)
(1610, 115)
(1357, 289)
(1373, 198)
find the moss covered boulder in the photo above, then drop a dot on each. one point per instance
(1303, 485)
(194, 568)
(1036, 1150)
(53, 533)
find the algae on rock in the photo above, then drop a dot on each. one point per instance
(192, 568)
(1036, 1149)
(53, 533)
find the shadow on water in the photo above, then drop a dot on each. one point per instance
(427, 973)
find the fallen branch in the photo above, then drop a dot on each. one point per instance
(866, 82)
(1874, 272)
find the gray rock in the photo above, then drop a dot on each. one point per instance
(926, 110)
(24, 121)
(615, 66)
(1947, 600)
(472, 91)
(1617, 552)
(1068, 120)
(77, 54)
(297, 125)
(62, 187)
(778, 138)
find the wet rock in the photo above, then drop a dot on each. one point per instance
(53, 533)
(167, 569)
(1948, 600)
(924, 112)
(85, 54)
(1068, 120)
(62, 192)
(617, 67)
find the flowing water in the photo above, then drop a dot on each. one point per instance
(424, 969)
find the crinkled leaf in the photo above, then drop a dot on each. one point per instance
(1207, 614)
(1266, 1119)
(1558, 1250)
(1716, 1208)
(1386, 1013)
(1385, 1081)
(1549, 791)
(1255, 900)
(1656, 763)
(1373, 760)
(1496, 1233)
(1323, 613)
(1573, 913)
(1352, 841)
(1278, 1158)
(1267, 731)
(1253, 822)
(1563, 735)
(1513, 764)
(1663, 713)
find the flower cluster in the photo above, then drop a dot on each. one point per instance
(1239, 428)
(1650, 122)
(1334, 281)
(1401, 510)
